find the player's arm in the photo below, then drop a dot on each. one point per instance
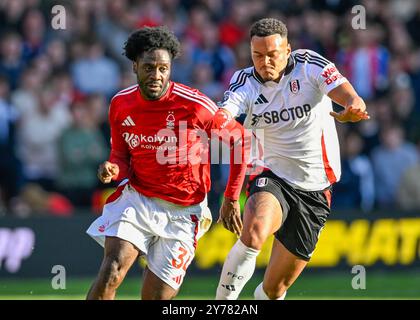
(232, 134)
(117, 166)
(354, 106)
(329, 80)
(234, 103)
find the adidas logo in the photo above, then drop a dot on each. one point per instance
(229, 287)
(128, 122)
(261, 99)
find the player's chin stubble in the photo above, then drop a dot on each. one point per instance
(151, 95)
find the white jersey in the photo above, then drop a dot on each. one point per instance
(300, 138)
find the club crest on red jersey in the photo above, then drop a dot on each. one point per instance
(170, 120)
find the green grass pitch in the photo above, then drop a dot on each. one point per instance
(337, 285)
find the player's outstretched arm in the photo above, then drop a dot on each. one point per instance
(354, 106)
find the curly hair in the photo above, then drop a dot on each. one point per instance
(267, 27)
(151, 38)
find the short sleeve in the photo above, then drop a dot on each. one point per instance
(322, 72)
(235, 99)
(118, 145)
(205, 111)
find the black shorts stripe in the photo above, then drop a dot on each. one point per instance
(313, 57)
(322, 66)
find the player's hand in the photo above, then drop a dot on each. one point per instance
(352, 113)
(108, 171)
(230, 216)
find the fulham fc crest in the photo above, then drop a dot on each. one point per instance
(294, 86)
(262, 182)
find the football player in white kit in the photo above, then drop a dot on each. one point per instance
(288, 95)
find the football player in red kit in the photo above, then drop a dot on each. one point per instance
(159, 129)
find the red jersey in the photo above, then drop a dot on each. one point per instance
(146, 133)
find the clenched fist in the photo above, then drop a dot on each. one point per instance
(108, 171)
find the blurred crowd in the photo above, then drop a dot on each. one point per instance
(55, 86)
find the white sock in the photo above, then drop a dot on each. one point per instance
(237, 270)
(259, 294)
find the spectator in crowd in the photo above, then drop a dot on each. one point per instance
(390, 160)
(34, 34)
(38, 134)
(81, 149)
(25, 97)
(356, 187)
(203, 80)
(11, 13)
(98, 106)
(413, 25)
(183, 67)
(338, 7)
(408, 197)
(57, 53)
(212, 52)
(414, 73)
(113, 27)
(64, 88)
(11, 62)
(150, 15)
(403, 105)
(198, 19)
(365, 62)
(243, 58)
(233, 29)
(9, 165)
(94, 72)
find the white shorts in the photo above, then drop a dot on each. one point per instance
(166, 233)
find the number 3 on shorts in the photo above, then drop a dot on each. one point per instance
(183, 259)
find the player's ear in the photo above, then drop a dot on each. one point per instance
(288, 50)
(135, 65)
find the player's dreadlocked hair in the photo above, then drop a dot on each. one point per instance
(267, 27)
(151, 38)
